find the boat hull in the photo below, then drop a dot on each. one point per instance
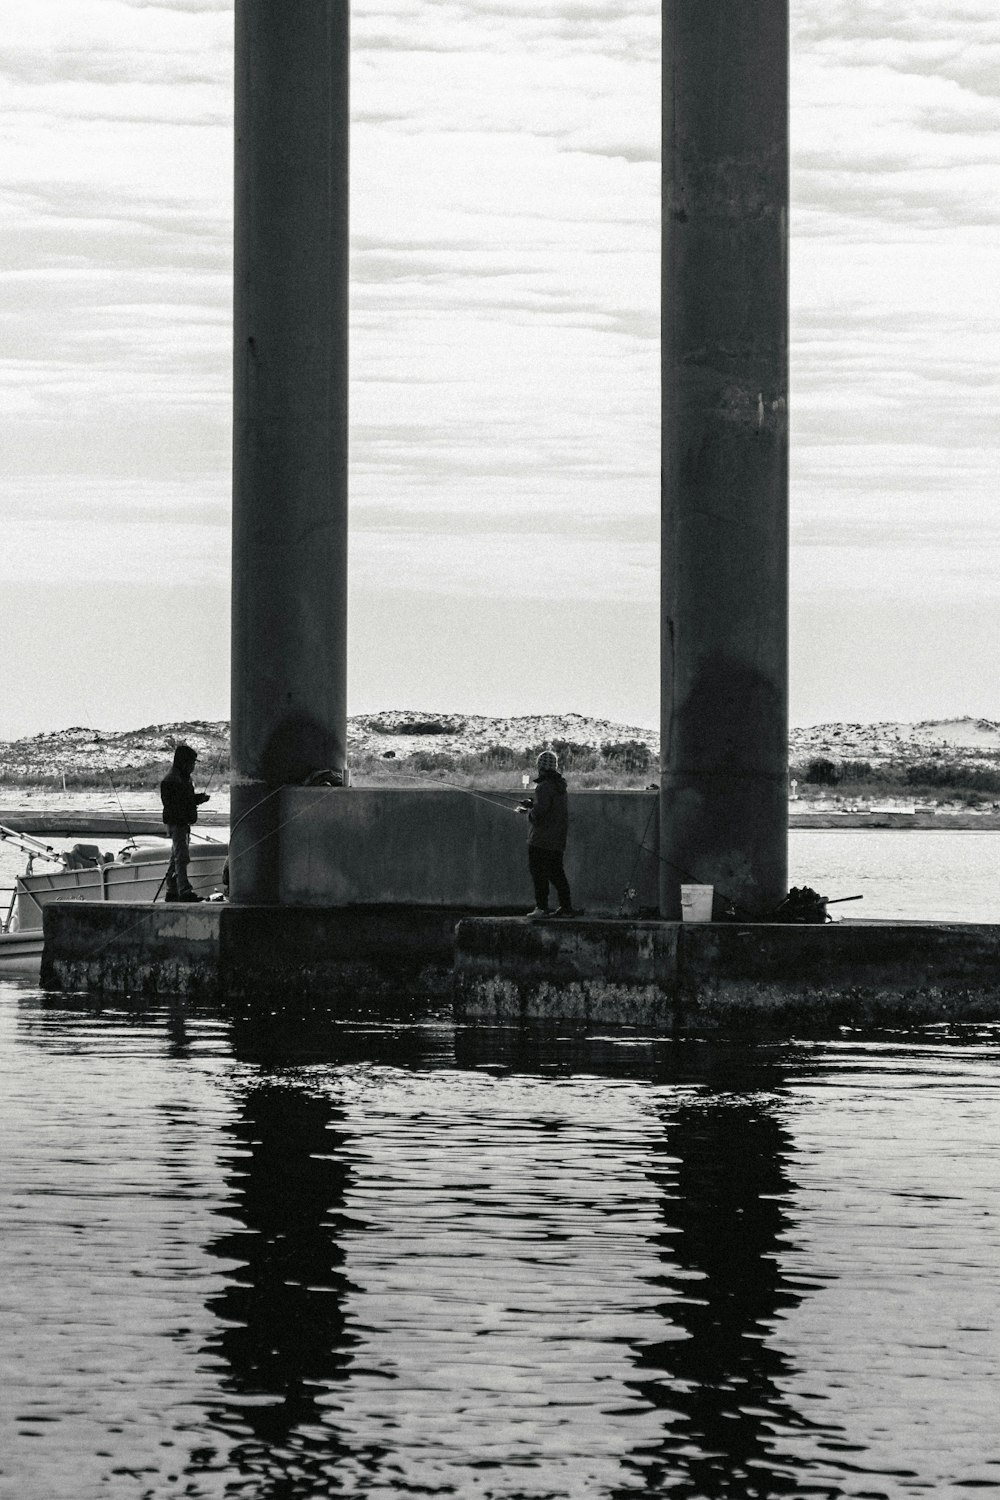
(139, 879)
(20, 952)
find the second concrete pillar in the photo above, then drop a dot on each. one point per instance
(725, 452)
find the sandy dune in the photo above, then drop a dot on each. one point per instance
(112, 754)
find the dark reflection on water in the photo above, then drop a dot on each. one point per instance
(277, 1041)
(717, 1374)
(283, 1334)
(282, 1262)
(721, 1183)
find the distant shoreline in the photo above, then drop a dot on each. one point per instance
(950, 765)
(940, 822)
(89, 813)
(77, 822)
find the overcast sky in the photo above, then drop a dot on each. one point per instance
(505, 454)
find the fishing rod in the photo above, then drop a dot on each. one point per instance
(107, 771)
(641, 847)
(218, 763)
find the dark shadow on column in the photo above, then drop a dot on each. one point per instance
(283, 1338)
(718, 1375)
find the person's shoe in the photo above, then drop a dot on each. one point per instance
(537, 913)
(171, 896)
(189, 896)
(567, 911)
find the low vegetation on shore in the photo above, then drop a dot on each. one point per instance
(622, 763)
(940, 762)
(944, 779)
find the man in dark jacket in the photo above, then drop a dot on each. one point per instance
(548, 820)
(180, 811)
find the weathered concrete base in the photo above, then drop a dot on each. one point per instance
(616, 972)
(355, 962)
(108, 947)
(670, 975)
(348, 959)
(253, 956)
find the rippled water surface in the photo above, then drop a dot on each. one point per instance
(917, 874)
(423, 1261)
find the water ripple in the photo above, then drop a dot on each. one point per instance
(412, 1260)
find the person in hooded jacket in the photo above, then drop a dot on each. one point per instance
(548, 824)
(180, 811)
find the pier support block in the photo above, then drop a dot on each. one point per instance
(695, 977)
(342, 959)
(339, 961)
(616, 973)
(351, 964)
(111, 948)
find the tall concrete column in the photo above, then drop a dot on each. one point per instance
(723, 799)
(290, 379)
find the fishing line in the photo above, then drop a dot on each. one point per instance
(641, 846)
(455, 786)
(144, 916)
(631, 888)
(218, 763)
(107, 768)
(426, 777)
(111, 781)
(271, 832)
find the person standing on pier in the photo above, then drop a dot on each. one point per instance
(548, 819)
(180, 811)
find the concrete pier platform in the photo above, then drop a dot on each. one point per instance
(114, 948)
(349, 962)
(672, 975)
(341, 959)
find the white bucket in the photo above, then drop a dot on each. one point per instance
(696, 903)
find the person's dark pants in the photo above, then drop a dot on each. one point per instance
(546, 866)
(177, 882)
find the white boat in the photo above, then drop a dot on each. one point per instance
(136, 874)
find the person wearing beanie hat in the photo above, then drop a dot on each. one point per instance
(180, 810)
(548, 824)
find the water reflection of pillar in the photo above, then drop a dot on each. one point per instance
(283, 1336)
(718, 1373)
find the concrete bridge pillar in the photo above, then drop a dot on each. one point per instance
(723, 799)
(290, 382)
